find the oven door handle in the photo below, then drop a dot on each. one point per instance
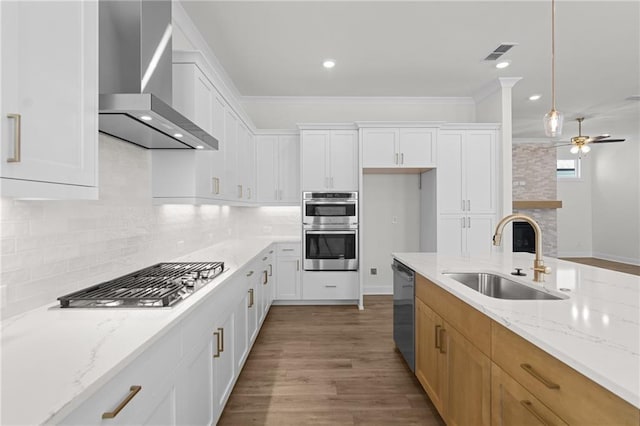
(348, 232)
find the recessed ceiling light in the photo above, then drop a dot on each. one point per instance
(145, 118)
(329, 63)
(177, 135)
(199, 147)
(534, 97)
(503, 64)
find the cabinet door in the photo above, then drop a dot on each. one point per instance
(289, 169)
(479, 230)
(252, 313)
(430, 369)
(194, 387)
(344, 160)
(230, 182)
(240, 328)
(223, 362)
(512, 404)
(314, 160)
(417, 147)
(49, 59)
(288, 282)
(380, 147)
(193, 95)
(451, 235)
(164, 412)
(218, 168)
(449, 173)
(479, 171)
(246, 163)
(267, 163)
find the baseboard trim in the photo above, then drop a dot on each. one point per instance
(314, 302)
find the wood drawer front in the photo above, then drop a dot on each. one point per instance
(330, 285)
(511, 404)
(577, 399)
(288, 249)
(472, 324)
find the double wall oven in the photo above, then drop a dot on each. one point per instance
(330, 231)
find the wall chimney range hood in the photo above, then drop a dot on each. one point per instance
(136, 78)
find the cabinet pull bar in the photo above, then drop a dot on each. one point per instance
(297, 264)
(287, 249)
(529, 369)
(529, 407)
(217, 354)
(270, 251)
(462, 201)
(133, 391)
(270, 270)
(437, 343)
(217, 186)
(462, 221)
(468, 205)
(402, 158)
(251, 298)
(468, 222)
(17, 139)
(249, 273)
(330, 286)
(441, 333)
(396, 158)
(265, 277)
(265, 258)
(221, 330)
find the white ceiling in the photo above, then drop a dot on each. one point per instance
(436, 48)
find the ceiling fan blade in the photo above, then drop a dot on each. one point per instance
(558, 146)
(609, 140)
(597, 138)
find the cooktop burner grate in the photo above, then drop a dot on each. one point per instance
(159, 285)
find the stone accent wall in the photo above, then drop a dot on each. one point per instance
(534, 178)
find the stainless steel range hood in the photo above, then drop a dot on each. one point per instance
(135, 78)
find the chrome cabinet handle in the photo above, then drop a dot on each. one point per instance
(462, 201)
(468, 205)
(402, 158)
(17, 138)
(251, 298)
(270, 270)
(468, 222)
(462, 218)
(330, 286)
(529, 407)
(133, 391)
(548, 383)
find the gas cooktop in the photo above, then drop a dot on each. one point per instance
(160, 285)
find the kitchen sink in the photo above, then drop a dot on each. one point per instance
(499, 287)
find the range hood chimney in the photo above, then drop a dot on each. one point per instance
(135, 78)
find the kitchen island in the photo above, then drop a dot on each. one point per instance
(53, 359)
(594, 329)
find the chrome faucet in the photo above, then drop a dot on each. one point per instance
(538, 265)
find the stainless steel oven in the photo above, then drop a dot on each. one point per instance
(329, 208)
(330, 248)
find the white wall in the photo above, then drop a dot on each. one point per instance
(616, 200)
(285, 113)
(50, 248)
(387, 196)
(574, 218)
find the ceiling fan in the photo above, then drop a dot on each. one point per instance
(581, 142)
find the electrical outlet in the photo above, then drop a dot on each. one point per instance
(374, 271)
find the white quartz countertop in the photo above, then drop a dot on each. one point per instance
(53, 359)
(596, 330)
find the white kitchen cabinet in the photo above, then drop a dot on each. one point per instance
(241, 326)
(329, 160)
(465, 235)
(330, 285)
(194, 394)
(267, 278)
(288, 280)
(224, 368)
(246, 163)
(278, 169)
(49, 102)
(467, 171)
(392, 147)
(253, 305)
(231, 189)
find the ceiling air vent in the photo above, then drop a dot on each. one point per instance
(499, 51)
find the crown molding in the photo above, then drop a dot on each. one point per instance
(425, 100)
(327, 126)
(277, 132)
(403, 124)
(470, 126)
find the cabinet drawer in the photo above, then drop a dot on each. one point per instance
(472, 324)
(330, 285)
(151, 371)
(575, 398)
(511, 404)
(288, 249)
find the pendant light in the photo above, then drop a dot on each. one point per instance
(553, 119)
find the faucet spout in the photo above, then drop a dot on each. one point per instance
(539, 269)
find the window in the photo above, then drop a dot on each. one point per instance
(568, 168)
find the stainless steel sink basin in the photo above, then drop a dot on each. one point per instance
(499, 287)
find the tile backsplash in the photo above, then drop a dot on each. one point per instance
(50, 248)
(534, 178)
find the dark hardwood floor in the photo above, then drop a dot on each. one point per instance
(328, 365)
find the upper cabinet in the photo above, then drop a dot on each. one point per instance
(49, 102)
(403, 148)
(278, 169)
(329, 160)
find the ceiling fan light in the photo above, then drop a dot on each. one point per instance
(553, 123)
(575, 149)
(585, 148)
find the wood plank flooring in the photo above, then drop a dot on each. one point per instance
(328, 365)
(606, 264)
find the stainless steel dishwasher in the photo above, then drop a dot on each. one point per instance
(404, 311)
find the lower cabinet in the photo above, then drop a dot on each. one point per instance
(330, 285)
(187, 376)
(288, 283)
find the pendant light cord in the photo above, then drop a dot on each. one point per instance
(553, 54)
